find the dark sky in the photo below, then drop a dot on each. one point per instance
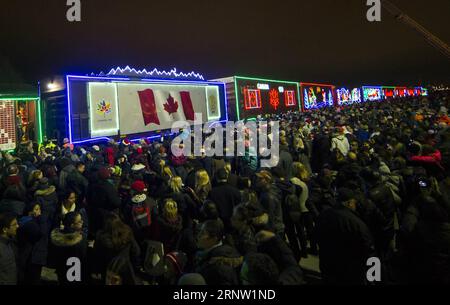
(320, 40)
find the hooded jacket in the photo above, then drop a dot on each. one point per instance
(271, 201)
(48, 200)
(345, 245)
(67, 245)
(219, 266)
(64, 174)
(340, 142)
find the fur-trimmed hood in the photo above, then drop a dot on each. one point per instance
(48, 191)
(61, 239)
(225, 255)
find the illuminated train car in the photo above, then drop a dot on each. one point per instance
(250, 97)
(316, 96)
(20, 116)
(347, 97)
(400, 92)
(372, 93)
(389, 92)
(136, 104)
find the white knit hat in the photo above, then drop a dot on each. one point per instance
(139, 198)
(138, 167)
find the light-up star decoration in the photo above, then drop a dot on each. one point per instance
(155, 73)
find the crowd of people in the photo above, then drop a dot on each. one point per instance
(354, 182)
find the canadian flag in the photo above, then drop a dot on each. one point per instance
(161, 106)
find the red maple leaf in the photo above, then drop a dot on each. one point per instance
(171, 106)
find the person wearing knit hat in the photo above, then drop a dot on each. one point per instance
(126, 142)
(138, 186)
(138, 167)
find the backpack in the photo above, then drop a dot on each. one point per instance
(154, 258)
(292, 204)
(141, 215)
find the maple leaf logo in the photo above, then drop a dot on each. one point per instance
(171, 106)
(104, 108)
(274, 98)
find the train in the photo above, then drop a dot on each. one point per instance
(136, 104)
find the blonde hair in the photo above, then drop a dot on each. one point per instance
(202, 183)
(299, 171)
(170, 209)
(298, 142)
(176, 184)
(167, 172)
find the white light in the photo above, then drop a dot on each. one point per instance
(281, 89)
(155, 72)
(51, 86)
(263, 86)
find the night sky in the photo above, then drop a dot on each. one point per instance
(320, 40)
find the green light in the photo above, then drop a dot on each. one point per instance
(19, 98)
(266, 80)
(38, 102)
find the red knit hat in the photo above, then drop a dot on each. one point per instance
(139, 186)
(126, 142)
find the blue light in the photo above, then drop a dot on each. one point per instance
(92, 140)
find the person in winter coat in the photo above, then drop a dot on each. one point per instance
(102, 197)
(216, 262)
(65, 172)
(168, 226)
(13, 201)
(286, 160)
(70, 242)
(69, 204)
(274, 246)
(77, 182)
(202, 185)
(47, 198)
(429, 246)
(8, 249)
(141, 211)
(226, 197)
(185, 204)
(340, 143)
(345, 242)
(32, 240)
(33, 182)
(306, 229)
(320, 151)
(116, 238)
(243, 233)
(270, 201)
(289, 198)
(259, 269)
